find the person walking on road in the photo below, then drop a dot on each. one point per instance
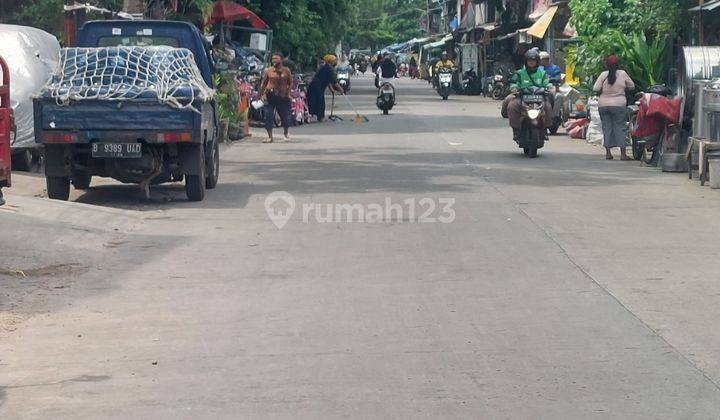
(324, 77)
(612, 85)
(275, 92)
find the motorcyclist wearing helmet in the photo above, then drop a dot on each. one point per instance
(531, 75)
(554, 72)
(444, 62)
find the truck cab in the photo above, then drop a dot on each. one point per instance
(136, 137)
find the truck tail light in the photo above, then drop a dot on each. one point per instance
(174, 137)
(55, 137)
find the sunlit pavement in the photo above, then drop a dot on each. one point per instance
(564, 287)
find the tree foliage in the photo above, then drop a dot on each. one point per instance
(617, 26)
(377, 23)
(304, 29)
(47, 14)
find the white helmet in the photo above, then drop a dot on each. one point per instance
(544, 55)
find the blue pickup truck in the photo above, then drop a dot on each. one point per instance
(134, 102)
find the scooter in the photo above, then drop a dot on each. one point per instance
(298, 102)
(362, 67)
(651, 133)
(444, 82)
(532, 133)
(343, 76)
(386, 98)
(499, 86)
(470, 83)
(565, 105)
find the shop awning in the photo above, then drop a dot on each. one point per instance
(540, 27)
(225, 11)
(438, 44)
(711, 5)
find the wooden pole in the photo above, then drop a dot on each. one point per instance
(69, 25)
(700, 20)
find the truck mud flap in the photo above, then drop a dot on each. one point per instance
(189, 155)
(57, 160)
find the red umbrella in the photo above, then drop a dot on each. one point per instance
(226, 11)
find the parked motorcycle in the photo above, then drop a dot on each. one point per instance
(386, 98)
(403, 70)
(565, 105)
(343, 77)
(654, 124)
(557, 115)
(298, 102)
(500, 86)
(532, 134)
(470, 83)
(444, 86)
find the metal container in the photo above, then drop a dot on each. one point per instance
(711, 109)
(674, 162)
(699, 63)
(699, 119)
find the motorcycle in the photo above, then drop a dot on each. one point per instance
(565, 105)
(499, 86)
(654, 128)
(402, 70)
(470, 83)
(362, 67)
(444, 82)
(343, 77)
(532, 134)
(298, 102)
(386, 98)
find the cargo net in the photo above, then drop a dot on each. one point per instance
(168, 75)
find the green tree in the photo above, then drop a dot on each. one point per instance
(599, 23)
(377, 23)
(48, 14)
(305, 29)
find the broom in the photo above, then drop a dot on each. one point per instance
(358, 118)
(332, 116)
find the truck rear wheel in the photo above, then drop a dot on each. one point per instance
(195, 183)
(58, 187)
(213, 168)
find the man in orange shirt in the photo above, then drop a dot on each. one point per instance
(275, 92)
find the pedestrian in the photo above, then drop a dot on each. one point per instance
(413, 68)
(325, 76)
(612, 85)
(275, 92)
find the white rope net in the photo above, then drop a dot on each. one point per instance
(168, 75)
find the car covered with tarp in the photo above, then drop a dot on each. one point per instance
(31, 54)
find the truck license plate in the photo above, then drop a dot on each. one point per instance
(117, 150)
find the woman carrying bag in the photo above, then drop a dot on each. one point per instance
(612, 85)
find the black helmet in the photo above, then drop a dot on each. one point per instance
(532, 55)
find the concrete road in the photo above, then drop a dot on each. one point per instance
(565, 287)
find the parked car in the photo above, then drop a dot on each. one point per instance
(31, 55)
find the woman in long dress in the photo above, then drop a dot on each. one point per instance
(324, 77)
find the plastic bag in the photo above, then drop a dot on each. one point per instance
(594, 133)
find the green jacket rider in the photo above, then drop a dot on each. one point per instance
(527, 78)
